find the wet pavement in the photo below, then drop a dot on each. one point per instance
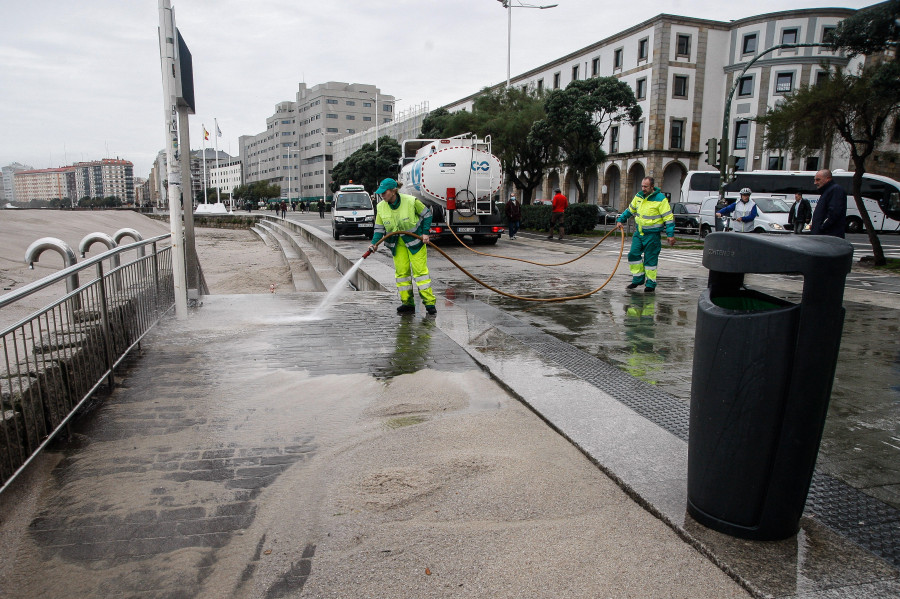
(855, 489)
(610, 373)
(651, 338)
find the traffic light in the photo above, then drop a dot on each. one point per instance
(712, 151)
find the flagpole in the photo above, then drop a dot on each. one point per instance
(204, 164)
(218, 188)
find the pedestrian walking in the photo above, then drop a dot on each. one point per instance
(283, 209)
(322, 208)
(401, 212)
(830, 215)
(513, 215)
(800, 213)
(744, 212)
(558, 214)
(652, 214)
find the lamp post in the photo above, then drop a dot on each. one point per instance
(508, 5)
(725, 149)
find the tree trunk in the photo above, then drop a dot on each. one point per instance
(859, 161)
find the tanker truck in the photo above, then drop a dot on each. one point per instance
(458, 179)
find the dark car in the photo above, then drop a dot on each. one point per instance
(687, 216)
(607, 215)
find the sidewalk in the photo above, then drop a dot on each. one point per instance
(250, 453)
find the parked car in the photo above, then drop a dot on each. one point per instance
(771, 215)
(687, 216)
(607, 215)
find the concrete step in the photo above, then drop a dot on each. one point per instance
(300, 275)
(319, 269)
(264, 236)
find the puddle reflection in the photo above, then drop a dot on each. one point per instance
(652, 338)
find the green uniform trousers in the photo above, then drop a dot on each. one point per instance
(644, 269)
(412, 268)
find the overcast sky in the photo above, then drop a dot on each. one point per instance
(81, 80)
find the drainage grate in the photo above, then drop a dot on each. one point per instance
(858, 517)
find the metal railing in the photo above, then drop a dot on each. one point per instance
(56, 358)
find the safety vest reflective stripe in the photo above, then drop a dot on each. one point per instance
(379, 229)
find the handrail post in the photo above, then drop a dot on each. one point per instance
(154, 266)
(105, 324)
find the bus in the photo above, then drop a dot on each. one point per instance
(881, 195)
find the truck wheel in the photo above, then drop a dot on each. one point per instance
(855, 225)
(704, 231)
(335, 234)
(759, 230)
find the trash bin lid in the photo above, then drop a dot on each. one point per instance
(818, 255)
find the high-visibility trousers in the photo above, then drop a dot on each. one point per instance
(644, 268)
(412, 269)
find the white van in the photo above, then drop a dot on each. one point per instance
(352, 212)
(771, 214)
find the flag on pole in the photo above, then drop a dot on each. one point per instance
(218, 131)
(205, 133)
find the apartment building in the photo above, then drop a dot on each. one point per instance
(109, 177)
(202, 164)
(295, 151)
(682, 70)
(7, 184)
(226, 176)
(40, 186)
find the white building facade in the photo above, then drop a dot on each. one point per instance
(295, 151)
(681, 70)
(226, 176)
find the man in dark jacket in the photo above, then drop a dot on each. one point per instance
(800, 214)
(513, 215)
(830, 215)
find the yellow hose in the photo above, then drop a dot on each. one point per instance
(511, 295)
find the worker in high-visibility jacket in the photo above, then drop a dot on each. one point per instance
(652, 215)
(401, 212)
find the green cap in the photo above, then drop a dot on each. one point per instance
(385, 185)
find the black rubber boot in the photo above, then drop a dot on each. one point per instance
(406, 309)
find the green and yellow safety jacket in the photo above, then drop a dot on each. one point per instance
(651, 213)
(405, 214)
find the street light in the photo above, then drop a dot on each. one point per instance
(376, 116)
(508, 5)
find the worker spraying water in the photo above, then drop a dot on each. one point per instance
(403, 214)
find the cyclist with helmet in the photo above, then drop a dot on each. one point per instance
(744, 212)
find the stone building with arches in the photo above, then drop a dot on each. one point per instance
(681, 70)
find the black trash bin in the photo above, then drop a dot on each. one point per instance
(762, 376)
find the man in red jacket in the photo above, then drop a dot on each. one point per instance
(560, 203)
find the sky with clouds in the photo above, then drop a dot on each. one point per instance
(81, 80)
